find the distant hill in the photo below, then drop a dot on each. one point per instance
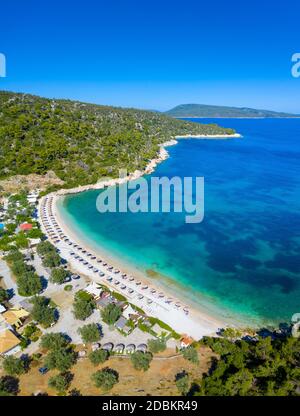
(202, 110)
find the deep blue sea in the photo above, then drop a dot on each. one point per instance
(244, 256)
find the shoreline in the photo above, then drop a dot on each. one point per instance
(204, 305)
(162, 155)
(226, 117)
(195, 322)
(210, 136)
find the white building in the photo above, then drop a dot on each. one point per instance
(94, 290)
(2, 308)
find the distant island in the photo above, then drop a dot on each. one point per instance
(215, 111)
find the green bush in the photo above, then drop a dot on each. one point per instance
(89, 333)
(99, 356)
(157, 345)
(105, 378)
(141, 360)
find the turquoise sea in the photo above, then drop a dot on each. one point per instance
(244, 257)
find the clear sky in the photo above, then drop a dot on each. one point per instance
(154, 54)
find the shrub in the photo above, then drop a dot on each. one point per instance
(54, 341)
(62, 359)
(83, 305)
(59, 275)
(190, 354)
(105, 378)
(157, 345)
(89, 333)
(42, 311)
(14, 366)
(183, 384)
(111, 313)
(141, 360)
(98, 357)
(60, 382)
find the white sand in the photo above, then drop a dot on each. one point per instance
(210, 136)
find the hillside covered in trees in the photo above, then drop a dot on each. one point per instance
(81, 142)
(265, 366)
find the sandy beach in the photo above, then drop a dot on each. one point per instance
(140, 290)
(210, 136)
(144, 293)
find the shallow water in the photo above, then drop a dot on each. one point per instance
(245, 254)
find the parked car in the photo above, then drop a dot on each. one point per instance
(43, 370)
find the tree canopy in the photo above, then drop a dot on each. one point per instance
(59, 275)
(81, 142)
(261, 367)
(51, 259)
(60, 382)
(99, 356)
(83, 305)
(157, 345)
(9, 386)
(111, 313)
(183, 383)
(141, 360)
(14, 366)
(89, 333)
(54, 341)
(42, 311)
(105, 378)
(62, 359)
(190, 354)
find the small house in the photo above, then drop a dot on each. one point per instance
(104, 301)
(9, 343)
(15, 317)
(94, 290)
(128, 311)
(32, 198)
(33, 242)
(2, 308)
(26, 226)
(121, 324)
(25, 304)
(186, 341)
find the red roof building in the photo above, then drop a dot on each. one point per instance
(186, 341)
(26, 227)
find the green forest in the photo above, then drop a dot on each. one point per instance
(81, 142)
(263, 366)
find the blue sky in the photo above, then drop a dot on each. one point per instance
(154, 54)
